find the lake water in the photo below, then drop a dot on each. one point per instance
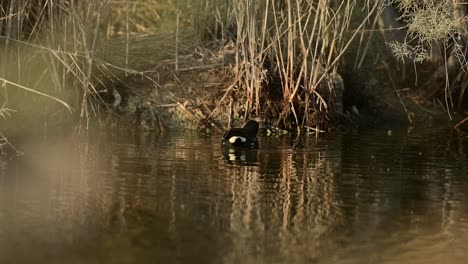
(367, 197)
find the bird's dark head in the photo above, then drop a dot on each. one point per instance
(252, 126)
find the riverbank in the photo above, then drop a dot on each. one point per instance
(322, 67)
(201, 92)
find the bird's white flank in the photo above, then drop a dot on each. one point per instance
(233, 139)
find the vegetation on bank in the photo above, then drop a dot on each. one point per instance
(436, 37)
(282, 60)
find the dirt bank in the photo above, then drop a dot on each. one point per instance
(200, 94)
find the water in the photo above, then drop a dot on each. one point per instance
(343, 198)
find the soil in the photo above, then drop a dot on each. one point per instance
(198, 92)
(156, 95)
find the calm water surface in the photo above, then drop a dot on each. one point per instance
(175, 198)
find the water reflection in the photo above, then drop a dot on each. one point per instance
(350, 198)
(240, 156)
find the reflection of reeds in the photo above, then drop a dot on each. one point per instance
(285, 204)
(176, 194)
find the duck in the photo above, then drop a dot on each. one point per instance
(244, 137)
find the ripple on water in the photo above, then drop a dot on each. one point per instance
(349, 198)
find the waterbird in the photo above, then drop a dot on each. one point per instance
(244, 137)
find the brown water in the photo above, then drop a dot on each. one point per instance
(342, 198)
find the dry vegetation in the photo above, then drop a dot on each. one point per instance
(279, 60)
(61, 50)
(436, 36)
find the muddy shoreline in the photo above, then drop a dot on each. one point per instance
(200, 95)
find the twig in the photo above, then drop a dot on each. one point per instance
(127, 33)
(37, 92)
(230, 113)
(185, 109)
(168, 105)
(460, 123)
(228, 91)
(423, 108)
(314, 129)
(177, 37)
(202, 67)
(3, 138)
(447, 95)
(5, 112)
(398, 94)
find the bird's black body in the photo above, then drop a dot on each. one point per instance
(245, 137)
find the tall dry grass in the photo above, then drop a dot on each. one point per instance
(52, 48)
(298, 42)
(55, 49)
(48, 49)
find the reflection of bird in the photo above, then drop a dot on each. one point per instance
(245, 137)
(240, 156)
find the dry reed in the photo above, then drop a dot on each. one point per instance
(298, 42)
